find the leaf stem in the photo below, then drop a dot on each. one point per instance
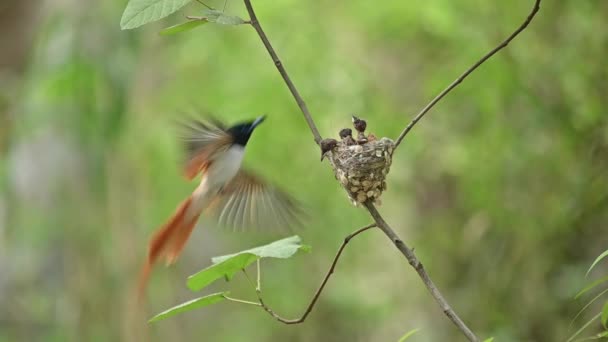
(259, 284)
(240, 301)
(190, 17)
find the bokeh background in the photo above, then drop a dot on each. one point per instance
(502, 189)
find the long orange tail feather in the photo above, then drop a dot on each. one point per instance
(169, 241)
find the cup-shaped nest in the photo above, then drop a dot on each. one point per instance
(362, 169)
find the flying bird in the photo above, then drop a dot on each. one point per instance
(232, 196)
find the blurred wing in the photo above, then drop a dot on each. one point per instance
(203, 140)
(249, 203)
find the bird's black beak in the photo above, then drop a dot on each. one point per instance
(257, 121)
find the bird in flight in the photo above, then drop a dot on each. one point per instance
(233, 197)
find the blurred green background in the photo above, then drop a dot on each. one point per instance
(502, 189)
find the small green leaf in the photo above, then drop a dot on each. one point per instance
(219, 17)
(225, 269)
(190, 305)
(408, 335)
(605, 315)
(228, 265)
(491, 339)
(591, 286)
(281, 249)
(140, 12)
(187, 26)
(598, 259)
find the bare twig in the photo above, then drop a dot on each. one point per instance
(417, 265)
(321, 287)
(277, 62)
(204, 4)
(467, 73)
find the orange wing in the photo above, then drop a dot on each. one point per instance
(203, 140)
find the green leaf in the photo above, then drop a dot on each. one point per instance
(591, 286)
(190, 305)
(281, 249)
(491, 339)
(598, 259)
(140, 12)
(228, 265)
(604, 318)
(219, 17)
(585, 307)
(187, 26)
(225, 269)
(583, 327)
(408, 335)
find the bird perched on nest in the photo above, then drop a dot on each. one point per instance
(346, 134)
(232, 196)
(360, 126)
(326, 146)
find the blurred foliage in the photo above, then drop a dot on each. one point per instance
(502, 188)
(602, 315)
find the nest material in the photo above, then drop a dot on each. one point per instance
(362, 169)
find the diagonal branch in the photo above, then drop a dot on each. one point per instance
(467, 73)
(253, 20)
(321, 287)
(417, 265)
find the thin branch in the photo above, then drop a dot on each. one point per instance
(204, 4)
(467, 73)
(417, 265)
(277, 62)
(321, 287)
(191, 17)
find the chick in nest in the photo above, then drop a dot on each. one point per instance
(360, 126)
(346, 135)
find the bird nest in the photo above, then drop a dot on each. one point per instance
(362, 169)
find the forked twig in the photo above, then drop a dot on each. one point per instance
(401, 246)
(317, 293)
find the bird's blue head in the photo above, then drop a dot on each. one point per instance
(242, 131)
